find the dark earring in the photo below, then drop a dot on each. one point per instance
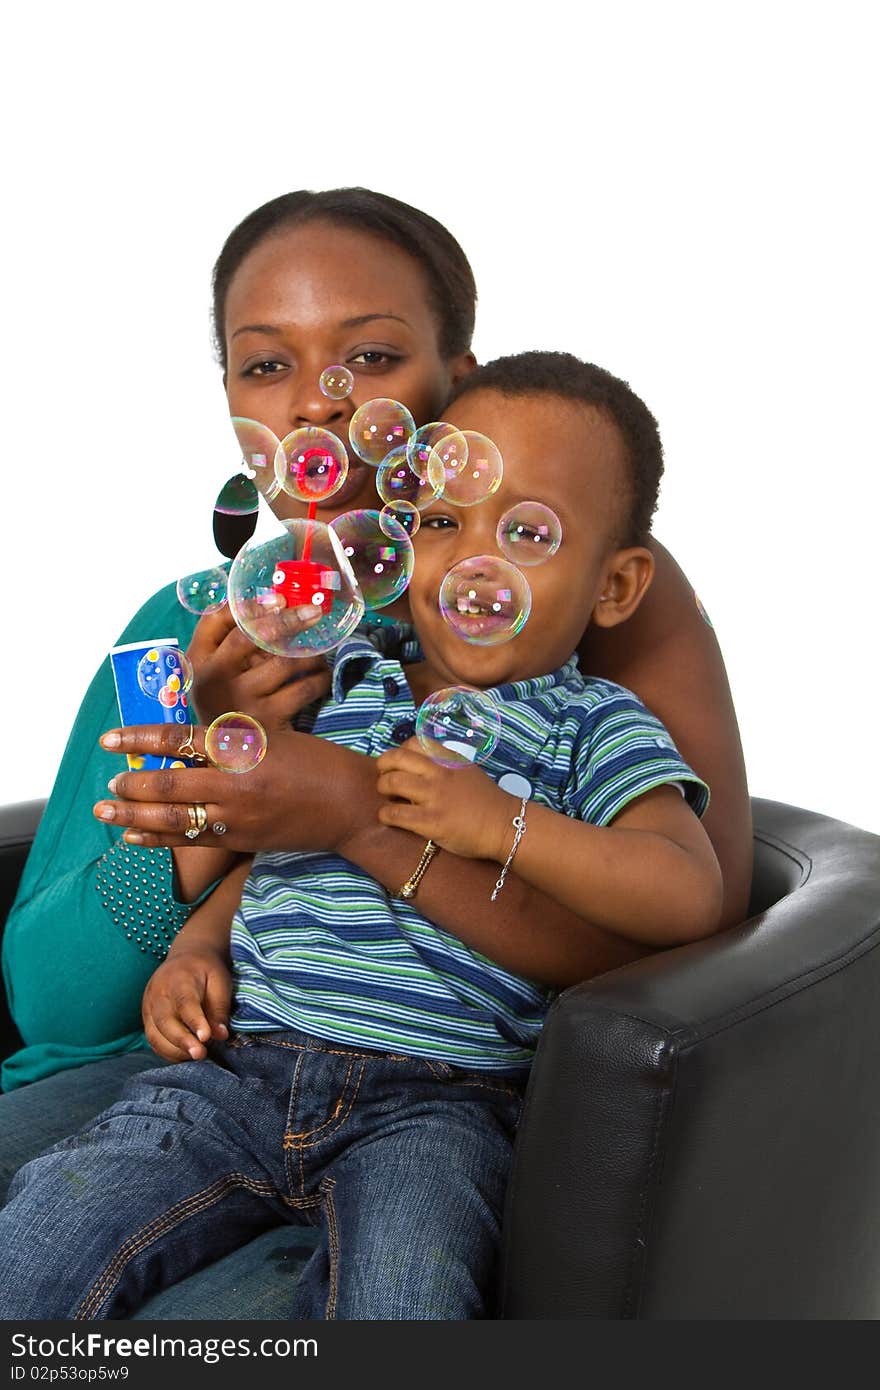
(235, 514)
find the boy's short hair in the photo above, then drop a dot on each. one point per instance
(564, 375)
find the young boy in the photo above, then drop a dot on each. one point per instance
(374, 1075)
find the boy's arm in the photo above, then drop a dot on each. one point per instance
(648, 880)
(186, 1003)
(651, 876)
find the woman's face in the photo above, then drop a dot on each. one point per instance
(316, 295)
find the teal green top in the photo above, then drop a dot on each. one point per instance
(74, 979)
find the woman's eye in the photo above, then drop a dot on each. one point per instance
(267, 368)
(373, 358)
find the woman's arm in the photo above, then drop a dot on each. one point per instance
(310, 794)
(73, 976)
(669, 656)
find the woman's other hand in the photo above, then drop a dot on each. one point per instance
(306, 794)
(230, 673)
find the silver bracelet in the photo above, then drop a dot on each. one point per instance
(519, 825)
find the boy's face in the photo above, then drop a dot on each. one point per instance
(568, 456)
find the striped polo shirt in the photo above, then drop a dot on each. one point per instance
(319, 946)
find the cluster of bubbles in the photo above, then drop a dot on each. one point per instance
(307, 589)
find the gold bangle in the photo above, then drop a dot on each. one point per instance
(409, 888)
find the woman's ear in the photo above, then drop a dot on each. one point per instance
(628, 575)
(461, 366)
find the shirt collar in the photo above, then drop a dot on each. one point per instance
(352, 659)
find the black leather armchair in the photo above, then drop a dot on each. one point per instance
(701, 1134)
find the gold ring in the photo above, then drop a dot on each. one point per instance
(198, 819)
(188, 750)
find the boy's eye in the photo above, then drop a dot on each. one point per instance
(437, 523)
(536, 538)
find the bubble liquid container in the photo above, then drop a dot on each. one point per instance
(137, 706)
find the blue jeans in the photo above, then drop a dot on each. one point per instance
(35, 1116)
(400, 1163)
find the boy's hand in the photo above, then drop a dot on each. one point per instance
(230, 673)
(460, 808)
(186, 1004)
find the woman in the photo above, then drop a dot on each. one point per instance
(305, 281)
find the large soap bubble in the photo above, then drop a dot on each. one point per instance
(440, 446)
(458, 725)
(397, 481)
(258, 447)
(165, 674)
(301, 576)
(235, 742)
(379, 426)
(403, 514)
(204, 592)
(311, 464)
(529, 533)
(336, 383)
(476, 480)
(379, 551)
(485, 600)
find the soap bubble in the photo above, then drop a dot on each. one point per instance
(336, 382)
(311, 464)
(165, 674)
(258, 447)
(485, 600)
(439, 447)
(397, 482)
(380, 553)
(476, 480)
(235, 742)
(529, 533)
(303, 568)
(458, 725)
(204, 592)
(401, 514)
(238, 496)
(379, 426)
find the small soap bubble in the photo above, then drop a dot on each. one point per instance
(296, 594)
(485, 600)
(400, 514)
(440, 445)
(458, 725)
(476, 480)
(336, 382)
(165, 674)
(311, 464)
(529, 533)
(379, 551)
(204, 592)
(397, 482)
(379, 426)
(258, 445)
(235, 742)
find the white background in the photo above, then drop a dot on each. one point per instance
(684, 193)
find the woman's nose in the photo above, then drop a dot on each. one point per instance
(309, 406)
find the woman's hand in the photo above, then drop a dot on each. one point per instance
(460, 808)
(230, 673)
(306, 794)
(186, 1004)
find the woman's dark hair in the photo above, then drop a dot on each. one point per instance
(453, 292)
(564, 375)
